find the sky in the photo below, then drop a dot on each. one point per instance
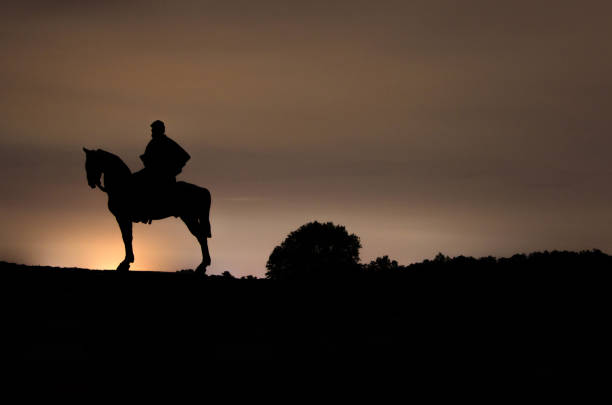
(464, 127)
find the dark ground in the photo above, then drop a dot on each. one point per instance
(76, 330)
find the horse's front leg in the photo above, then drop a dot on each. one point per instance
(205, 253)
(125, 224)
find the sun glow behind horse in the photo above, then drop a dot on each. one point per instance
(188, 202)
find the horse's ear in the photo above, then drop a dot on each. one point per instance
(86, 150)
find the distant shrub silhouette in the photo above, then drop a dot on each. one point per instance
(441, 258)
(315, 250)
(383, 266)
(227, 274)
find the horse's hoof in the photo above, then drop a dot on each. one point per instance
(123, 267)
(201, 269)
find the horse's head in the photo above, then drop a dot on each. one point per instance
(93, 167)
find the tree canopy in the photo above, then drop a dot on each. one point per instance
(315, 250)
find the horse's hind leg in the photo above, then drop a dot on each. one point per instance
(200, 232)
(126, 233)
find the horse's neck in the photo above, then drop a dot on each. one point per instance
(115, 171)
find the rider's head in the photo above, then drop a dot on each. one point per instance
(158, 128)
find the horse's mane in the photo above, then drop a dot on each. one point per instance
(114, 160)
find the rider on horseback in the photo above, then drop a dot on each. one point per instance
(163, 159)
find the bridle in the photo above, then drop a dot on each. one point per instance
(99, 183)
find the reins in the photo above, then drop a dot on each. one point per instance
(102, 187)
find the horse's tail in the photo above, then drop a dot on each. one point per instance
(204, 215)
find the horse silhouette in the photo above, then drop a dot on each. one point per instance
(126, 202)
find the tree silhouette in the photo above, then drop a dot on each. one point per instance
(315, 250)
(383, 265)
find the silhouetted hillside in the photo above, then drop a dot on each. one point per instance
(527, 318)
